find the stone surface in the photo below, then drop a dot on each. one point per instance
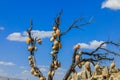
(99, 73)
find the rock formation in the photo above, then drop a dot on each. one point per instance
(99, 73)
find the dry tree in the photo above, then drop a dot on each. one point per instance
(78, 57)
(99, 54)
(31, 41)
(57, 45)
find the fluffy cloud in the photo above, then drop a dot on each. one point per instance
(6, 63)
(112, 4)
(92, 45)
(2, 28)
(59, 74)
(3, 73)
(44, 68)
(17, 36)
(41, 34)
(25, 74)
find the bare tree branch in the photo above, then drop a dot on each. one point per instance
(58, 38)
(32, 42)
(101, 45)
(55, 51)
(71, 67)
(57, 20)
(77, 26)
(93, 57)
(110, 51)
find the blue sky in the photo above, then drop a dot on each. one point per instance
(15, 17)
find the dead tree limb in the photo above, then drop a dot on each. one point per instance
(56, 39)
(56, 36)
(93, 56)
(31, 48)
(71, 67)
(77, 26)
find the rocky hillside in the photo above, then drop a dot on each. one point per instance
(99, 73)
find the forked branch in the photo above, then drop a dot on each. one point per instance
(31, 48)
(77, 26)
(93, 57)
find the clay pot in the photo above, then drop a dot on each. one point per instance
(39, 41)
(77, 47)
(55, 62)
(42, 78)
(77, 57)
(55, 47)
(55, 67)
(54, 35)
(51, 73)
(30, 48)
(52, 65)
(60, 45)
(36, 74)
(52, 53)
(80, 52)
(35, 48)
(31, 63)
(30, 57)
(56, 43)
(54, 28)
(52, 39)
(112, 65)
(58, 32)
(32, 71)
(37, 71)
(58, 64)
(28, 40)
(87, 64)
(80, 65)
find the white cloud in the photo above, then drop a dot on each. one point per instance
(92, 45)
(25, 71)
(2, 28)
(112, 4)
(3, 73)
(6, 63)
(22, 67)
(59, 74)
(42, 69)
(25, 74)
(42, 34)
(17, 36)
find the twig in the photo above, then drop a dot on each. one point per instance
(77, 26)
